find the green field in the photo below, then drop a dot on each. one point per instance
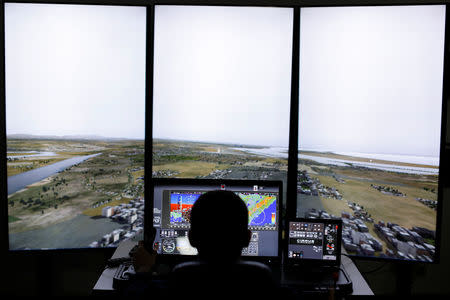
(356, 187)
(107, 177)
(405, 211)
(196, 159)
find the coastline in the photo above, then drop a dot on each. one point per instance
(404, 164)
(23, 180)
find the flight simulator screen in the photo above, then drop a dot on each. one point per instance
(75, 124)
(173, 204)
(314, 240)
(230, 67)
(370, 112)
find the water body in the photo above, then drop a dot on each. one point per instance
(35, 154)
(378, 166)
(282, 152)
(279, 152)
(414, 159)
(78, 232)
(22, 180)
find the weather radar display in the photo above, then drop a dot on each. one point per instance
(261, 207)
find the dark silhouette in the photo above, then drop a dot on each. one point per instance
(219, 231)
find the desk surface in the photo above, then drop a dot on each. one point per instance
(360, 286)
(105, 282)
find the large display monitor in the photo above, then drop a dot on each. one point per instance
(75, 124)
(221, 92)
(370, 117)
(173, 199)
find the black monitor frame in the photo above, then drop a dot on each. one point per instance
(291, 204)
(444, 165)
(315, 262)
(176, 258)
(4, 240)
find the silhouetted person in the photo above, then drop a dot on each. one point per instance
(219, 231)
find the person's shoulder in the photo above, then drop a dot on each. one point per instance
(228, 277)
(184, 265)
(234, 269)
(186, 271)
(254, 264)
(254, 271)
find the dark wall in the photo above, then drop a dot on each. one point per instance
(54, 274)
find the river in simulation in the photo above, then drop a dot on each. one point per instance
(22, 180)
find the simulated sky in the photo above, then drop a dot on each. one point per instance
(222, 74)
(75, 70)
(371, 79)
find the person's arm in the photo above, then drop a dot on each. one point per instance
(143, 261)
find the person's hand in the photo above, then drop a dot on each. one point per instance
(143, 260)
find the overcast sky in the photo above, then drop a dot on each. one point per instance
(371, 79)
(222, 74)
(75, 69)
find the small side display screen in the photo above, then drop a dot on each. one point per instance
(310, 240)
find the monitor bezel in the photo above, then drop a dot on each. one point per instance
(47, 252)
(177, 258)
(444, 165)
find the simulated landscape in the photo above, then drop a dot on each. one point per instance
(384, 213)
(388, 208)
(387, 211)
(187, 159)
(109, 176)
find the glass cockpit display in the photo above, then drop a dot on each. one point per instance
(173, 204)
(314, 240)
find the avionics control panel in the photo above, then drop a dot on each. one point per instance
(314, 240)
(173, 200)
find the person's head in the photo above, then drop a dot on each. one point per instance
(219, 225)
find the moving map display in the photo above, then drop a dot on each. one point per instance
(174, 198)
(261, 207)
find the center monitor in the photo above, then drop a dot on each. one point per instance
(173, 200)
